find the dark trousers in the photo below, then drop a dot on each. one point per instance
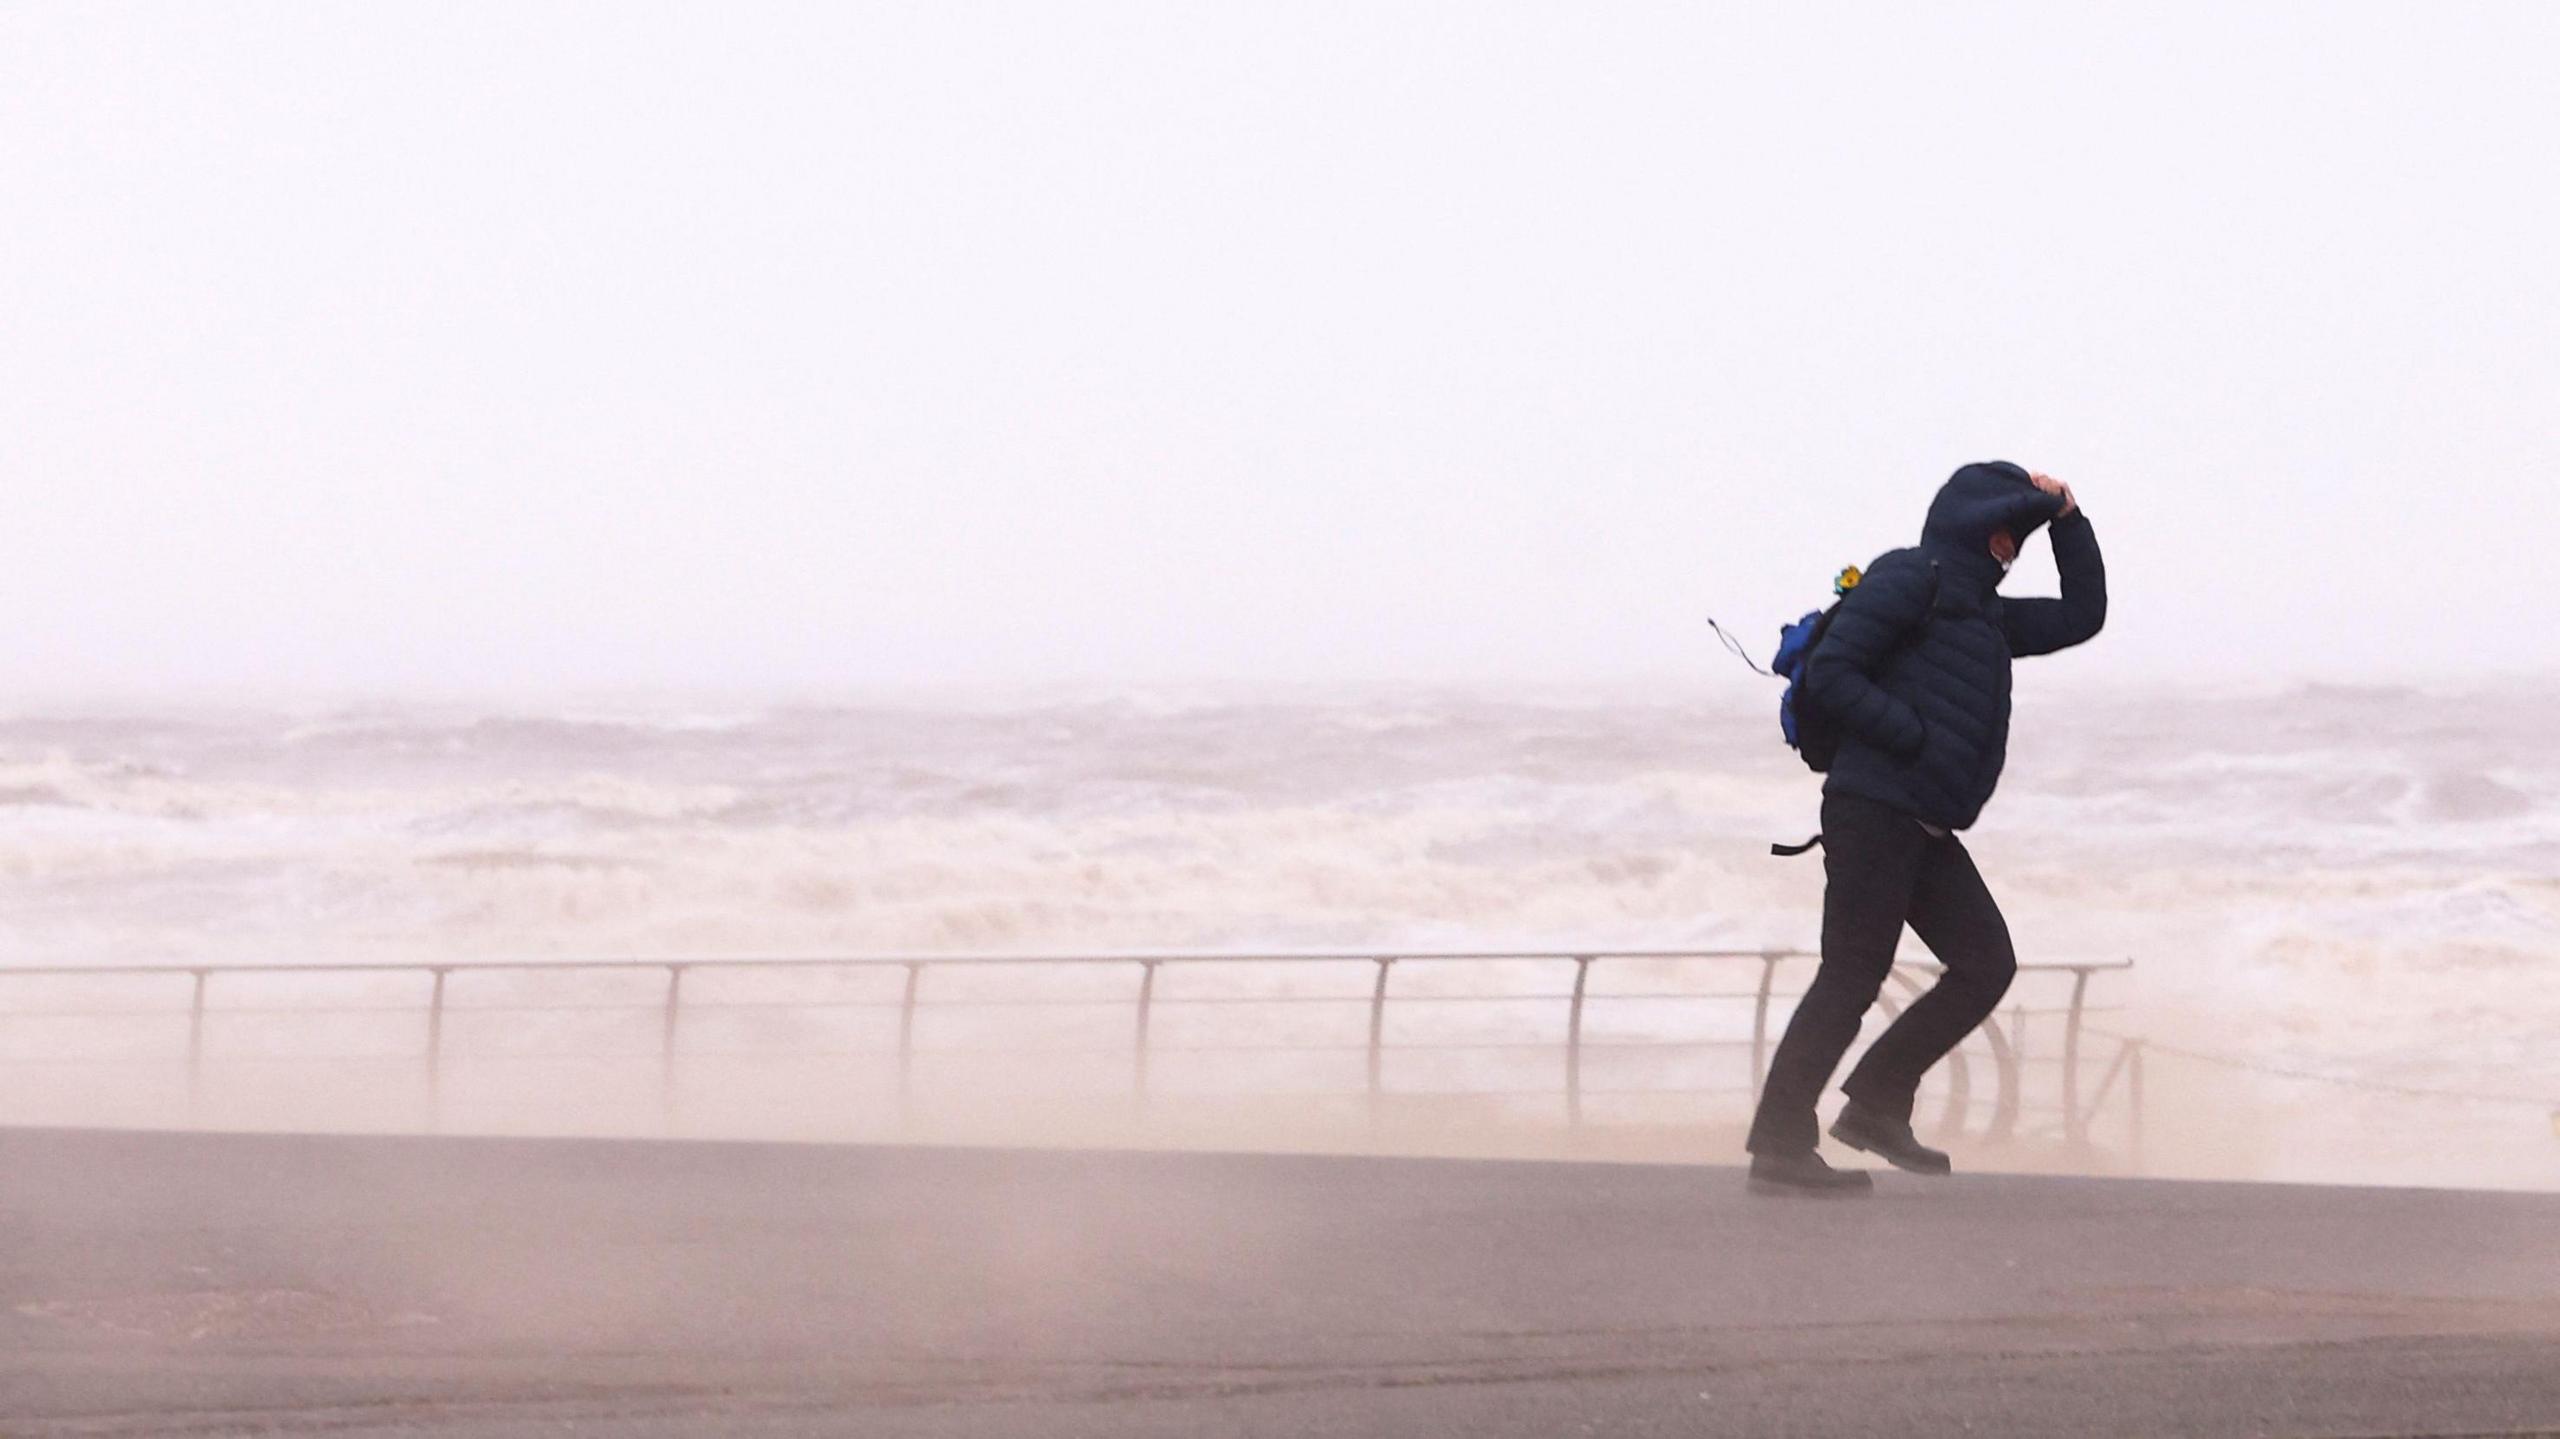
(1882, 870)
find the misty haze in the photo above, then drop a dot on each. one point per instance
(991, 719)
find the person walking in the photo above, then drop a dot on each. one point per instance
(1915, 672)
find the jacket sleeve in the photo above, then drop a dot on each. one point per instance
(2039, 627)
(1893, 601)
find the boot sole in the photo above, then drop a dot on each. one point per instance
(1857, 1142)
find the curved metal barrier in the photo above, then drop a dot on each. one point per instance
(2019, 1102)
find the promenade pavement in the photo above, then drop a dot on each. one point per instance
(158, 1284)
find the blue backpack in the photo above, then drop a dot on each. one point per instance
(1811, 733)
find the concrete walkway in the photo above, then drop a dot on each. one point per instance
(201, 1285)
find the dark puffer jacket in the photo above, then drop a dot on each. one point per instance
(1922, 694)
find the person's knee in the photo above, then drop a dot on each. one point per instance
(1996, 972)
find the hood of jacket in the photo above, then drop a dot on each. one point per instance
(1976, 500)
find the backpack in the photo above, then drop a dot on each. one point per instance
(1811, 733)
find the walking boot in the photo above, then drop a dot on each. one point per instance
(1888, 1139)
(1807, 1174)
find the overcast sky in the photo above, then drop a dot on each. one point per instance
(525, 347)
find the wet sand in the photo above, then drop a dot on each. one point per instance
(205, 1284)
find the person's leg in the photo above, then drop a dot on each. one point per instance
(1871, 857)
(1954, 914)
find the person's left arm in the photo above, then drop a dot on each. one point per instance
(2039, 627)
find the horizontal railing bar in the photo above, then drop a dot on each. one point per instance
(554, 1057)
(697, 1006)
(1552, 1094)
(1398, 1047)
(317, 1011)
(175, 1012)
(215, 1011)
(889, 960)
(653, 1052)
(179, 1061)
(1564, 956)
(691, 1051)
(1671, 1091)
(925, 1051)
(925, 1004)
(216, 1061)
(1603, 996)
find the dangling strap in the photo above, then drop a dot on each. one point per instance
(1790, 851)
(1738, 651)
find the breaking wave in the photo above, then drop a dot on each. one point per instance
(2360, 876)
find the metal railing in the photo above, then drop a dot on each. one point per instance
(2004, 1041)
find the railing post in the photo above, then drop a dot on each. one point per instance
(1378, 1035)
(2134, 1097)
(1760, 1024)
(435, 1051)
(1958, 1115)
(195, 1049)
(2074, 1131)
(667, 1047)
(2012, 1060)
(1146, 1013)
(907, 1041)
(1573, 1043)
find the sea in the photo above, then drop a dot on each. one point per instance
(2341, 904)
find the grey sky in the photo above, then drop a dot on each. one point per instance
(533, 346)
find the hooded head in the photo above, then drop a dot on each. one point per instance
(1977, 500)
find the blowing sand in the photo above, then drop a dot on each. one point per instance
(156, 1284)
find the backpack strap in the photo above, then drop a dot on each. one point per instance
(1790, 851)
